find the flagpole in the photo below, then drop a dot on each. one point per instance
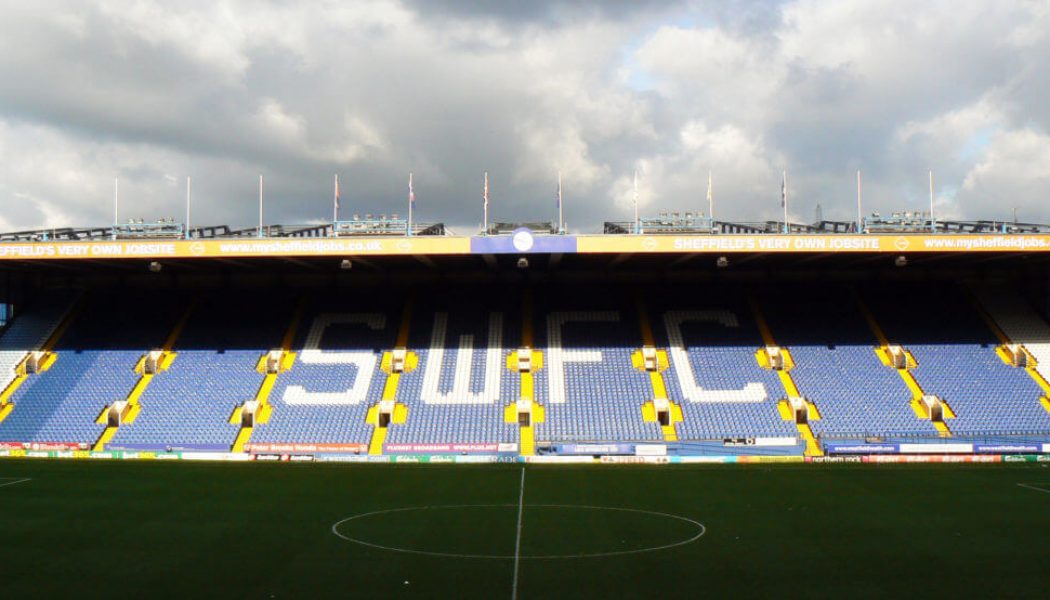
(485, 195)
(335, 200)
(187, 207)
(411, 201)
(116, 204)
(260, 205)
(710, 199)
(637, 225)
(561, 220)
(933, 223)
(785, 194)
(860, 212)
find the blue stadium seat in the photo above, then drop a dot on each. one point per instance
(341, 325)
(955, 351)
(459, 391)
(95, 367)
(189, 405)
(836, 367)
(447, 326)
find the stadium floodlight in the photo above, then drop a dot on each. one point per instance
(346, 265)
(901, 261)
(155, 267)
(722, 262)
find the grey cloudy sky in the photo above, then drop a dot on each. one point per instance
(153, 91)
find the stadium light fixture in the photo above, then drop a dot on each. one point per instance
(901, 261)
(722, 262)
(155, 267)
(346, 264)
(523, 263)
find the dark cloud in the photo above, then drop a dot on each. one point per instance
(548, 12)
(749, 17)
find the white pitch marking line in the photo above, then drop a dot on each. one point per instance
(517, 542)
(1032, 487)
(15, 481)
(701, 530)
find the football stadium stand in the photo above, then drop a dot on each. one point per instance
(376, 336)
(836, 366)
(713, 372)
(590, 391)
(334, 375)
(32, 332)
(458, 392)
(392, 370)
(92, 368)
(188, 406)
(957, 361)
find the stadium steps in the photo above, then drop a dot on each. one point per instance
(262, 396)
(132, 408)
(53, 335)
(243, 435)
(813, 447)
(1015, 322)
(656, 378)
(400, 411)
(375, 443)
(917, 393)
(266, 387)
(526, 433)
(105, 438)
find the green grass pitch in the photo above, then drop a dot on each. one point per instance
(94, 529)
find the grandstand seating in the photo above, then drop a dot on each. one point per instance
(30, 331)
(955, 351)
(189, 405)
(461, 386)
(836, 367)
(588, 387)
(713, 373)
(1020, 322)
(95, 366)
(458, 397)
(336, 377)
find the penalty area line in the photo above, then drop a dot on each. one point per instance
(4, 482)
(517, 541)
(1034, 488)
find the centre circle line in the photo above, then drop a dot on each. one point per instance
(701, 530)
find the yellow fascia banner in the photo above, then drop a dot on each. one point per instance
(812, 243)
(233, 248)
